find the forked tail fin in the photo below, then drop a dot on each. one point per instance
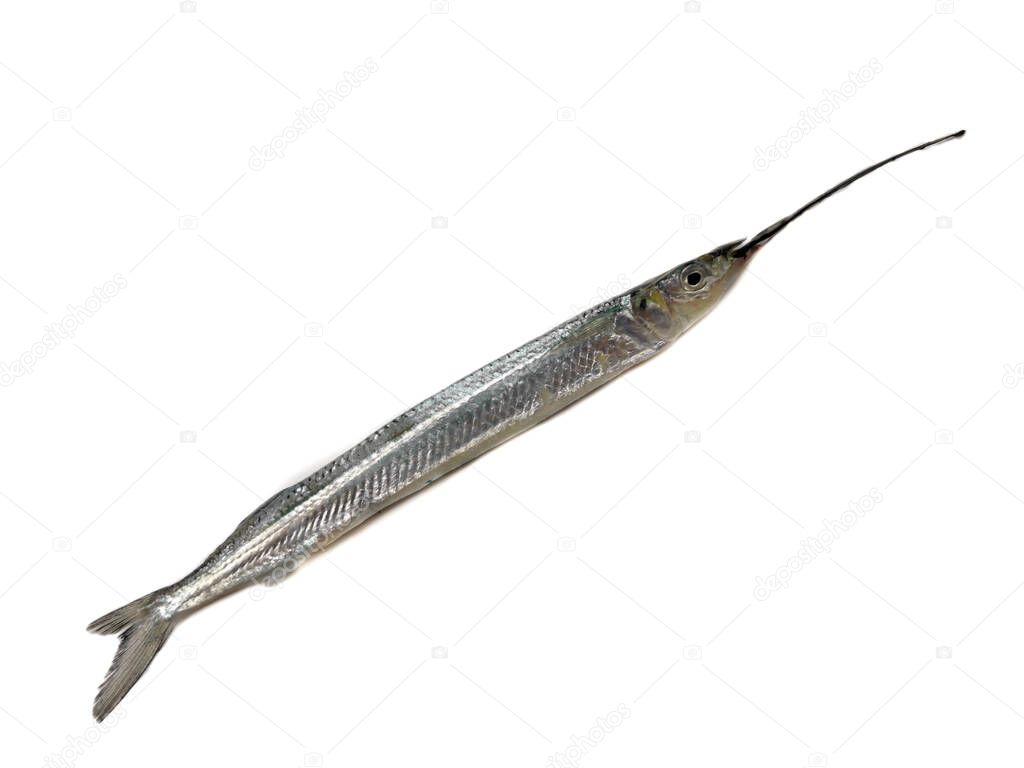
(144, 628)
(751, 245)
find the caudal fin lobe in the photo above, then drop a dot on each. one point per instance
(144, 628)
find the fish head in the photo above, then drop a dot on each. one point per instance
(674, 301)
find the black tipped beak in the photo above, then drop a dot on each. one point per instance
(752, 245)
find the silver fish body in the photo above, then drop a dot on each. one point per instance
(459, 423)
(456, 425)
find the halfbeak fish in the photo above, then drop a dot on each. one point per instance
(459, 423)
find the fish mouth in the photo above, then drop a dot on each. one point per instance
(738, 249)
(727, 249)
(745, 249)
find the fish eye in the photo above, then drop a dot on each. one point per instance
(692, 277)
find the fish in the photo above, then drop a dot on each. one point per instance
(461, 422)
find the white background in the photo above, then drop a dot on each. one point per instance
(271, 318)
